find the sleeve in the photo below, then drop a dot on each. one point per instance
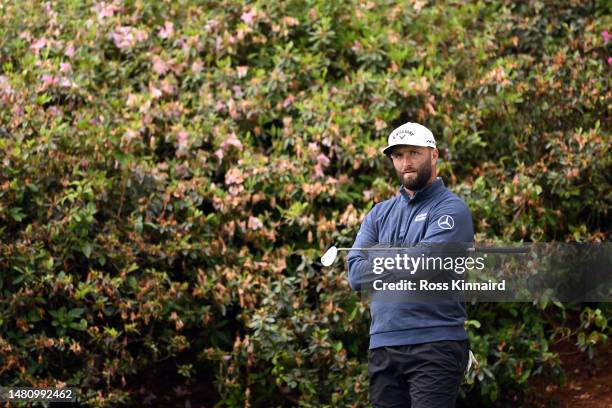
(358, 261)
(449, 233)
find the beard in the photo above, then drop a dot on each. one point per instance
(418, 181)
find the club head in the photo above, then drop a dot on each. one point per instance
(329, 256)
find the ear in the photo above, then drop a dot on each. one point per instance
(434, 156)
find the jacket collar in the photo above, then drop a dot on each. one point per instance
(425, 192)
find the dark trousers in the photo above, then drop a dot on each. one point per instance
(417, 376)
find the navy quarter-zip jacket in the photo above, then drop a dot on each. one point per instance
(404, 221)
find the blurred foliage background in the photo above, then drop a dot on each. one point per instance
(171, 171)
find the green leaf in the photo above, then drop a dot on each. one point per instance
(16, 213)
(81, 325)
(474, 323)
(86, 248)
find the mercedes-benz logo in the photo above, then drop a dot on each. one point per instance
(446, 222)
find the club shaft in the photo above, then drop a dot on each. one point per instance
(486, 250)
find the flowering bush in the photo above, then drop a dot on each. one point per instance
(171, 172)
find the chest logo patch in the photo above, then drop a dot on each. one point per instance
(446, 222)
(420, 217)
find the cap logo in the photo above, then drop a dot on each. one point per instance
(402, 132)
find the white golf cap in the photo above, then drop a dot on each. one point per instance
(410, 134)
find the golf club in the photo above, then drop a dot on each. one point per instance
(331, 254)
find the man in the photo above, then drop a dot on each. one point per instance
(418, 350)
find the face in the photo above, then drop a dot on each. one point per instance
(414, 165)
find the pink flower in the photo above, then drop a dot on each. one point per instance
(126, 37)
(290, 21)
(248, 17)
(159, 65)
(182, 170)
(105, 10)
(319, 170)
(155, 92)
(609, 60)
(55, 111)
(242, 71)
(379, 124)
(167, 31)
(131, 100)
(220, 106)
(183, 143)
(288, 101)
(219, 153)
(185, 46)
(196, 67)
(49, 80)
(167, 87)
(38, 45)
(65, 67)
(237, 91)
(5, 86)
(123, 38)
(211, 25)
(130, 135)
(606, 36)
(65, 83)
(323, 160)
(182, 138)
(234, 176)
(254, 223)
(70, 51)
(418, 5)
(231, 107)
(232, 140)
(141, 35)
